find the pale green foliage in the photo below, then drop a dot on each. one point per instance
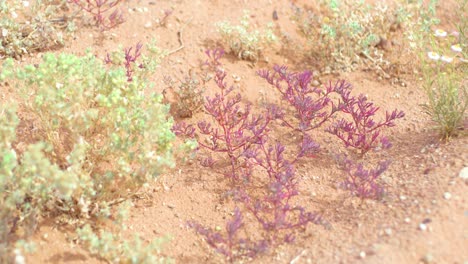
(245, 42)
(25, 28)
(347, 32)
(124, 133)
(111, 247)
(100, 138)
(420, 19)
(28, 186)
(115, 249)
(462, 25)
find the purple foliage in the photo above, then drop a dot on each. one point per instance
(362, 132)
(363, 182)
(181, 129)
(309, 102)
(98, 9)
(229, 244)
(130, 60)
(273, 209)
(244, 137)
(214, 56)
(234, 128)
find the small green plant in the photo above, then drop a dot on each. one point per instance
(30, 26)
(443, 69)
(101, 137)
(187, 95)
(29, 185)
(245, 42)
(112, 247)
(348, 32)
(462, 26)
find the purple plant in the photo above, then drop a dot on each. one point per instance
(183, 130)
(98, 9)
(214, 56)
(363, 182)
(229, 244)
(309, 102)
(129, 60)
(235, 129)
(273, 209)
(362, 132)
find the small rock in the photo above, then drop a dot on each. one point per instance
(464, 173)
(171, 206)
(422, 227)
(407, 220)
(402, 197)
(428, 259)
(362, 254)
(236, 78)
(388, 231)
(148, 25)
(315, 83)
(447, 196)
(427, 221)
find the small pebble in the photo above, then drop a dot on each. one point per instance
(402, 197)
(148, 24)
(388, 231)
(362, 254)
(464, 173)
(407, 220)
(447, 196)
(422, 227)
(236, 78)
(428, 259)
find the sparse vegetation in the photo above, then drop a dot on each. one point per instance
(86, 134)
(243, 40)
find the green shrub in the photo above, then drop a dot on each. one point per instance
(101, 137)
(346, 34)
(245, 42)
(111, 247)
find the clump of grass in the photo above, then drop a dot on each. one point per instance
(443, 69)
(243, 40)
